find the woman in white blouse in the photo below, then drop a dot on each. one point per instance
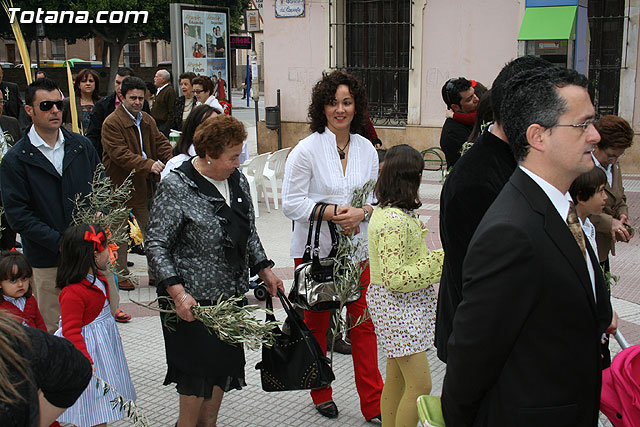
(326, 167)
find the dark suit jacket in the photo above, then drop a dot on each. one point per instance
(525, 348)
(101, 110)
(470, 188)
(11, 94)
(454, 135)
(162, 109)
(12, 126)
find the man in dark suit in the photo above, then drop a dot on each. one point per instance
(11, 96)
(525, 347)
(162, 109)
(10, 133)
(106, 106)
(466, 195)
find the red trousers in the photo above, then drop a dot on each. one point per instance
(364, 348)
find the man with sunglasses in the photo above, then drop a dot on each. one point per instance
(106, 106)
(460, 97)
(525, 347)
(40, 177)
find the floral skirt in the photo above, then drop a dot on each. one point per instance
(404, 321)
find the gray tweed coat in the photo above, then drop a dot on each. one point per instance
(186, 239)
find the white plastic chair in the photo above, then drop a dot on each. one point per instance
(274, 171)
(254, 172)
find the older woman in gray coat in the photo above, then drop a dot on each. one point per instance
(201, 244)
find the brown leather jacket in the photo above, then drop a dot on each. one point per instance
(122, 153)
(616, 205)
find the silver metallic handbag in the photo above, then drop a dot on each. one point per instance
(313, 287)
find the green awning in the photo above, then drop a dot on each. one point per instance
(549, 23)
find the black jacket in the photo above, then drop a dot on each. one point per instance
(38, 202)
(453, 136)
(11, 94)
(101, 110)
(470, 188)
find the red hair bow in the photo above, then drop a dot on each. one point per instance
(97, 239)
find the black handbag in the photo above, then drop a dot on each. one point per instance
(295, 361)
(313, 288)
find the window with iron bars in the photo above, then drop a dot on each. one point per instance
(372, 40)
(606, 25)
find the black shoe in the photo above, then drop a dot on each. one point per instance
(376, 420)
(341, 347)
(129, 264)
(328, 409)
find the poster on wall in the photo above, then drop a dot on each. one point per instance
(205, 41)
(289, 8)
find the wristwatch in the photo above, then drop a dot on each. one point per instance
(367, 215)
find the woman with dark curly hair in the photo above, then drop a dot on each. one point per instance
(326, 167)
(613, 224)
(87, 88)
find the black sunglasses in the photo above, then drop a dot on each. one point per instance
(48, 105)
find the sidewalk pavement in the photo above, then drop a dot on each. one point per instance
(144, 346)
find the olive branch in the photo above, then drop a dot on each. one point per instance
(106, 206)
(234, 324)
(347, 269)
(133, 412)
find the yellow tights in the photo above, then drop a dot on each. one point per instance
(407, 378)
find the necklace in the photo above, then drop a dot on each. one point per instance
(341, 152)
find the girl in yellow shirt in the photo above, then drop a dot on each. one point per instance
(401, 298)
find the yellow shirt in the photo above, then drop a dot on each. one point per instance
(398, 255)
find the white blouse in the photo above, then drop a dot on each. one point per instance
(176, 161)
(313, 173)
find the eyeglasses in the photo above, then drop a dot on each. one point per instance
(583, 125)
(198, 91)
(48, 105)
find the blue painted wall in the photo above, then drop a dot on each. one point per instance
(582, 44)
(542, 3)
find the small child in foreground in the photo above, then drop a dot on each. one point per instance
(15, 285)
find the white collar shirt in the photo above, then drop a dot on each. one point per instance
(160, 88)
(561, 203)
(137, 120)
(608, 171)
(313, 173)
(55, 155)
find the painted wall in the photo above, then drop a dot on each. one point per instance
(295, 54)
(472, 42)
(457, 40)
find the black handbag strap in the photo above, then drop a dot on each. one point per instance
(332, 232)
(306, 257)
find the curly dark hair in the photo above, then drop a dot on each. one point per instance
(217, 133)
(400, 177)
(614, 132)
(82, 76)
(324, 93)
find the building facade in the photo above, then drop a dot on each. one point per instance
(404, 51)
